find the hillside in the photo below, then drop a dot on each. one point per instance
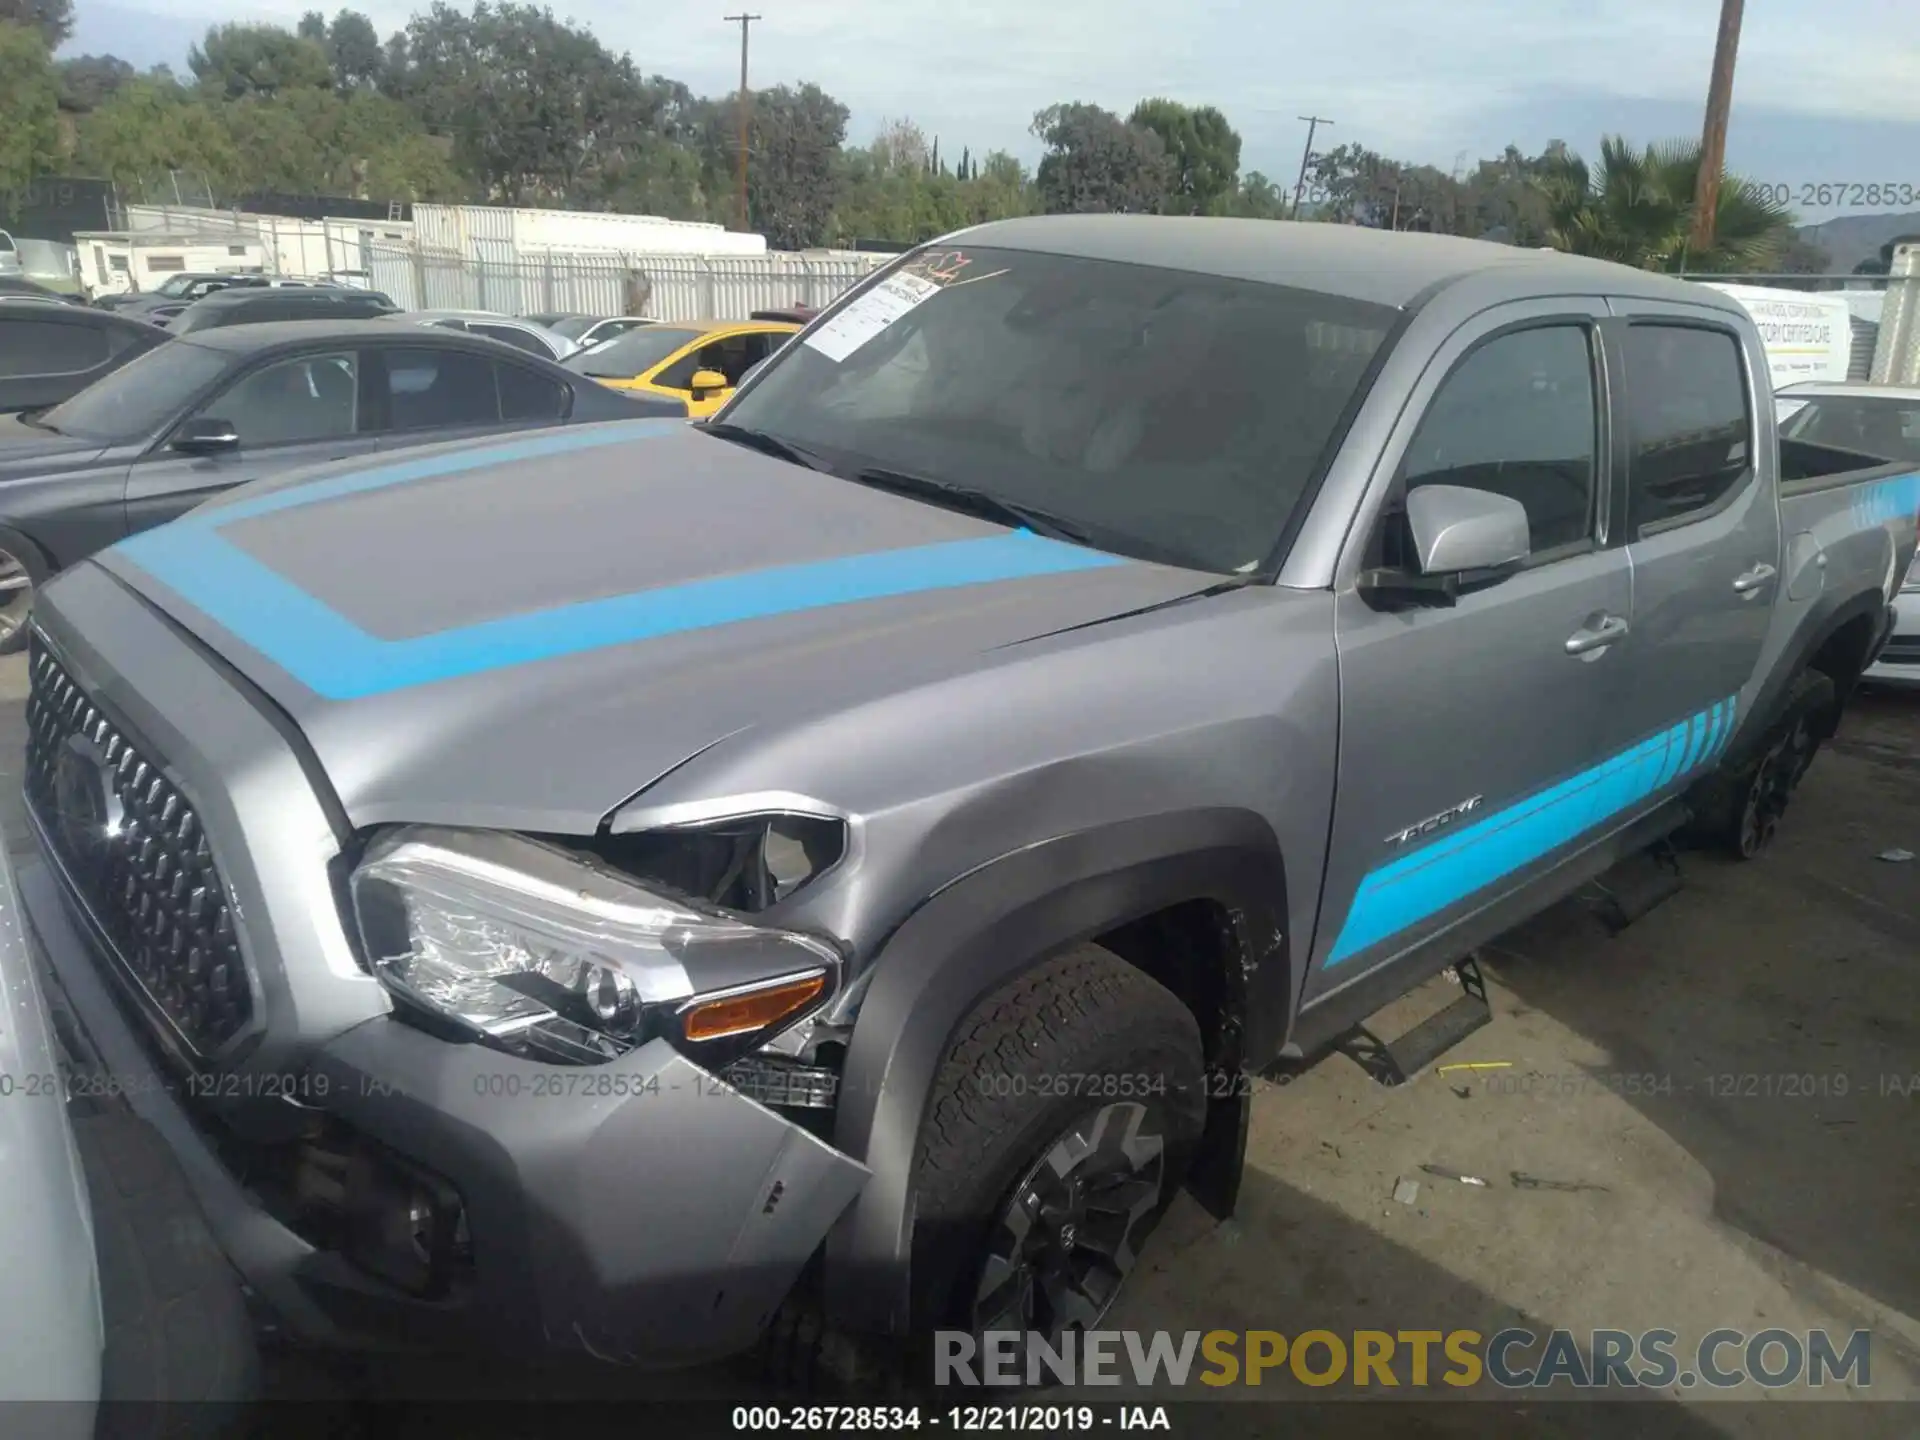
(1849, 239)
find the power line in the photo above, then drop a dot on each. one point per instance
(1713, 139)
(746, 102)
(1314, 122)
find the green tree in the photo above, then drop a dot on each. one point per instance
(539, 110)
(1203, 154)
(313, 141)
(239, 60)
(88, 80)
(150, 128)
(793, 153)
(1096, 161)
(29, 109)
(52, 18)
(352, 45)
(1258, 198)
(1637, 209)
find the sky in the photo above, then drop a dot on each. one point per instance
(1825, 91)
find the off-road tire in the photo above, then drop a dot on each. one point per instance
(1737, 809)
(1058, 1044)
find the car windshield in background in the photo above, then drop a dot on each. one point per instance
(1866, 424)
(571, 326)
(178, 284)
(140, 396)
(1161, 413)
(633, 353)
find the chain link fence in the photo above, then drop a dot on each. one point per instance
(661, 287)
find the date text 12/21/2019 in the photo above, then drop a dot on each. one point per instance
(1011, 1418)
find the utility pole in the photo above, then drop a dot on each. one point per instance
(1314, 122)
(746, 102)
(1713, 139)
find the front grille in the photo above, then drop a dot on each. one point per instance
(136, 852)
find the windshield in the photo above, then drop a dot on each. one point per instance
(1868, 424)
(141, 396)
(633, 353)
(1162, 412)
(178, 284)
(571, 326)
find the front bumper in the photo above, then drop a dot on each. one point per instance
(1898, 662)
(639, 1211)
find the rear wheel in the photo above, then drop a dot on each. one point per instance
(1740, 809)
(1061, 1126)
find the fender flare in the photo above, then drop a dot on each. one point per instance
(980, 931)
(1773, 690)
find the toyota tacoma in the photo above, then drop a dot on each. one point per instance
(606, 889)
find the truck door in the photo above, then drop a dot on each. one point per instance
(1698, 508)
(1468, 732)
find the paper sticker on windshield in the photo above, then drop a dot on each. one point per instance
(872, 313)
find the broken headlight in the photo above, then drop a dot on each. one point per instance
(551, 955)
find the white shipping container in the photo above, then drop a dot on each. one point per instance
(474, 231)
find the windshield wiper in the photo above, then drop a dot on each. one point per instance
(980, 503)
(766, 444)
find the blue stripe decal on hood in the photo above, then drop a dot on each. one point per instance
(1416, 887)
(337, 660)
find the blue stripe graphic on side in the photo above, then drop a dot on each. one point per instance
(1415, 887)
(1890, 500)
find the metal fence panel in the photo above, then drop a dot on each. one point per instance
(679, 287)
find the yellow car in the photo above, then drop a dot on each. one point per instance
(698, 361)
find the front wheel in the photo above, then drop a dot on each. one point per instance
(1061, 1126)
(16, 599)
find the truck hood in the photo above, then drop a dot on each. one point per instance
(526, 633)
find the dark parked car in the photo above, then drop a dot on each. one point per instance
(49, 351)
(176, 292)
(205, 413)
(265, 304)
(19, 287)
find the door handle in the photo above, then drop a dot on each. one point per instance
(1585, 641)
(1754, 579)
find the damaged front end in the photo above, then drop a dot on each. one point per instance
(570, 957)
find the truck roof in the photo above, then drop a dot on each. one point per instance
(1383, 267)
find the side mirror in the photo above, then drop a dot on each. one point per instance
(1456, 529)
(705, 382)
(205, 435)
(1463, 540)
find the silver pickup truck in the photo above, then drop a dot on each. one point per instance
(615, 888)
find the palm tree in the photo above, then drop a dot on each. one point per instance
(1638, 210)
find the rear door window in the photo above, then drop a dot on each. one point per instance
(440, 389)
(1689, 431)
(42, 347)
(528, 395)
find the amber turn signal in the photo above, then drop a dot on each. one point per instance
(746, 1011)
